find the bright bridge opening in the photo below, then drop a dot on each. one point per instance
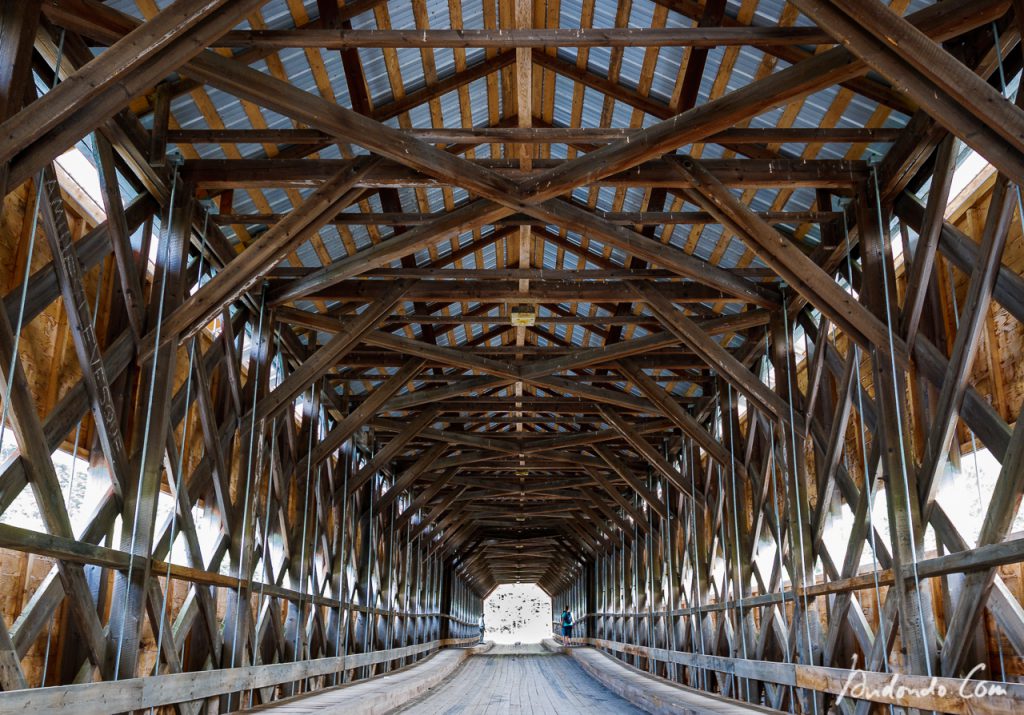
(517, 613)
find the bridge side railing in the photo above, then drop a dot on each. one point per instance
(954, 695)
(133, 694)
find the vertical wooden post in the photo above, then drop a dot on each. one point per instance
(139, 511)
(805, 627)
(905, 524)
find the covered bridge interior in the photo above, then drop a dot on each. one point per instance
(324, 318)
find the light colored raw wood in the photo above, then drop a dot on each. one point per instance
(520, 679)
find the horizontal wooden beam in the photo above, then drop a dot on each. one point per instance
(542, 135)
(132, 694)
(500, 291)
(913, 692)
(621, 218)
(603, 275)
(694, 125)
(534, 37)
(220, 174)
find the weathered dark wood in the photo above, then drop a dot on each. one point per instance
(405, 480)
(678, 414)
(364, 412)
(141, 495)
(931, 227)
(271, 248)
(219, 174)
(696, 124)
(1003, 506)
(905, 512)
(392, 448)
(330, 354)
(963, 252)
(794, 266)
(696, 58)
(161, 118)
(103, 87)
(706, 37)
(382, 443)
(18, 23)
(629, 218)
(538, 135)
(713, 354)
(973, 313)
(46, 488)
(950, 92)
(120, 235)
(71, 278)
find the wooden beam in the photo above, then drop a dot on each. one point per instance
(227, 174)
(974, 594)
(963, 252)
(267, 251)
(437, 484)
(906, 516)
(716, 356)
(406, 479)
(543, 135)
(446, 85)
(103, 87)
(383, 456)
(951, 93)
(573, 217)
(161, 120)
(330, 18)
(613, 491)
(865, 86)
(330, 354)
(139, 508)
(18, 24)
(618, 466)
(645, 450)
(810, 75)
(511, 38)
(626, 218)
(974, 310)
(678, 414)
(924, 254)
(120, 235)
(353, 421)
(491, 291)
(71, 278)
(792, 264)
(696, 58)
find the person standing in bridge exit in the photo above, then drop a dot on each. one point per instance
(567, 624)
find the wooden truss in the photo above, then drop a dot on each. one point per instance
(328, 377)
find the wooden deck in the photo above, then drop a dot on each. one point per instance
(654, 695)
(507, 680)
(525, 679)
(377, 695)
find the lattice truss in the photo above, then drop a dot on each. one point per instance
(664, 305)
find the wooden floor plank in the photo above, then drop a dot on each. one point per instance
(523, 680)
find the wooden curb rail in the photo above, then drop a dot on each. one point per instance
(132, 694)
(950, 695)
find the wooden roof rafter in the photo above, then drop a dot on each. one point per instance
(519, 190)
